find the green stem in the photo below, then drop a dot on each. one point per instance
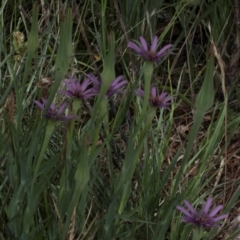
(148, 71)
(151, 114)
(197, 233)
(48, 134)
(102, 112)
(76, 107)
(129, 167)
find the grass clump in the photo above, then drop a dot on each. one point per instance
(104, 136)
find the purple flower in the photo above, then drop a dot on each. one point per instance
(52, 112)
(156, 100)
(149, 54)
(79, 90)
(115, 86)
(202, 218)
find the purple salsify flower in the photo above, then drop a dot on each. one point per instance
(95, 81)
(115, 86)
(149, 54)
(203, 218)
(78, 89)
(156, 100)
(53, 113)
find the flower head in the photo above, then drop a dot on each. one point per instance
(149, 54)
(203, 218)
(115, 86)
(78, 89)
(156, 100)
(52, 112)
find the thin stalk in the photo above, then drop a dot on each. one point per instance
(148, 71)
(48, 134)
(76, 106)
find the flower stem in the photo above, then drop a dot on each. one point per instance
(100, 118)
(48, 134)
(148, 71)
(76, 107)
(197, 233)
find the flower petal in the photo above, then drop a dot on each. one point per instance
(215, 211)
(118, 85)
(117, 80)
(85, 84)
(154, 44)
(69, 117)
(188, 220)
(207, 205)
(216, 219)
(167, 100)
(190, 207)
(163, 95)
(52, 107)
(94, 80)
(154, 91)
(140, 92)
(144, 44)
(163, 52)
(40, 105)
(44, 101)
(184, 211)
(61, 108)
(134, 47)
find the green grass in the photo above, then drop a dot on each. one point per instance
(119, 170)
